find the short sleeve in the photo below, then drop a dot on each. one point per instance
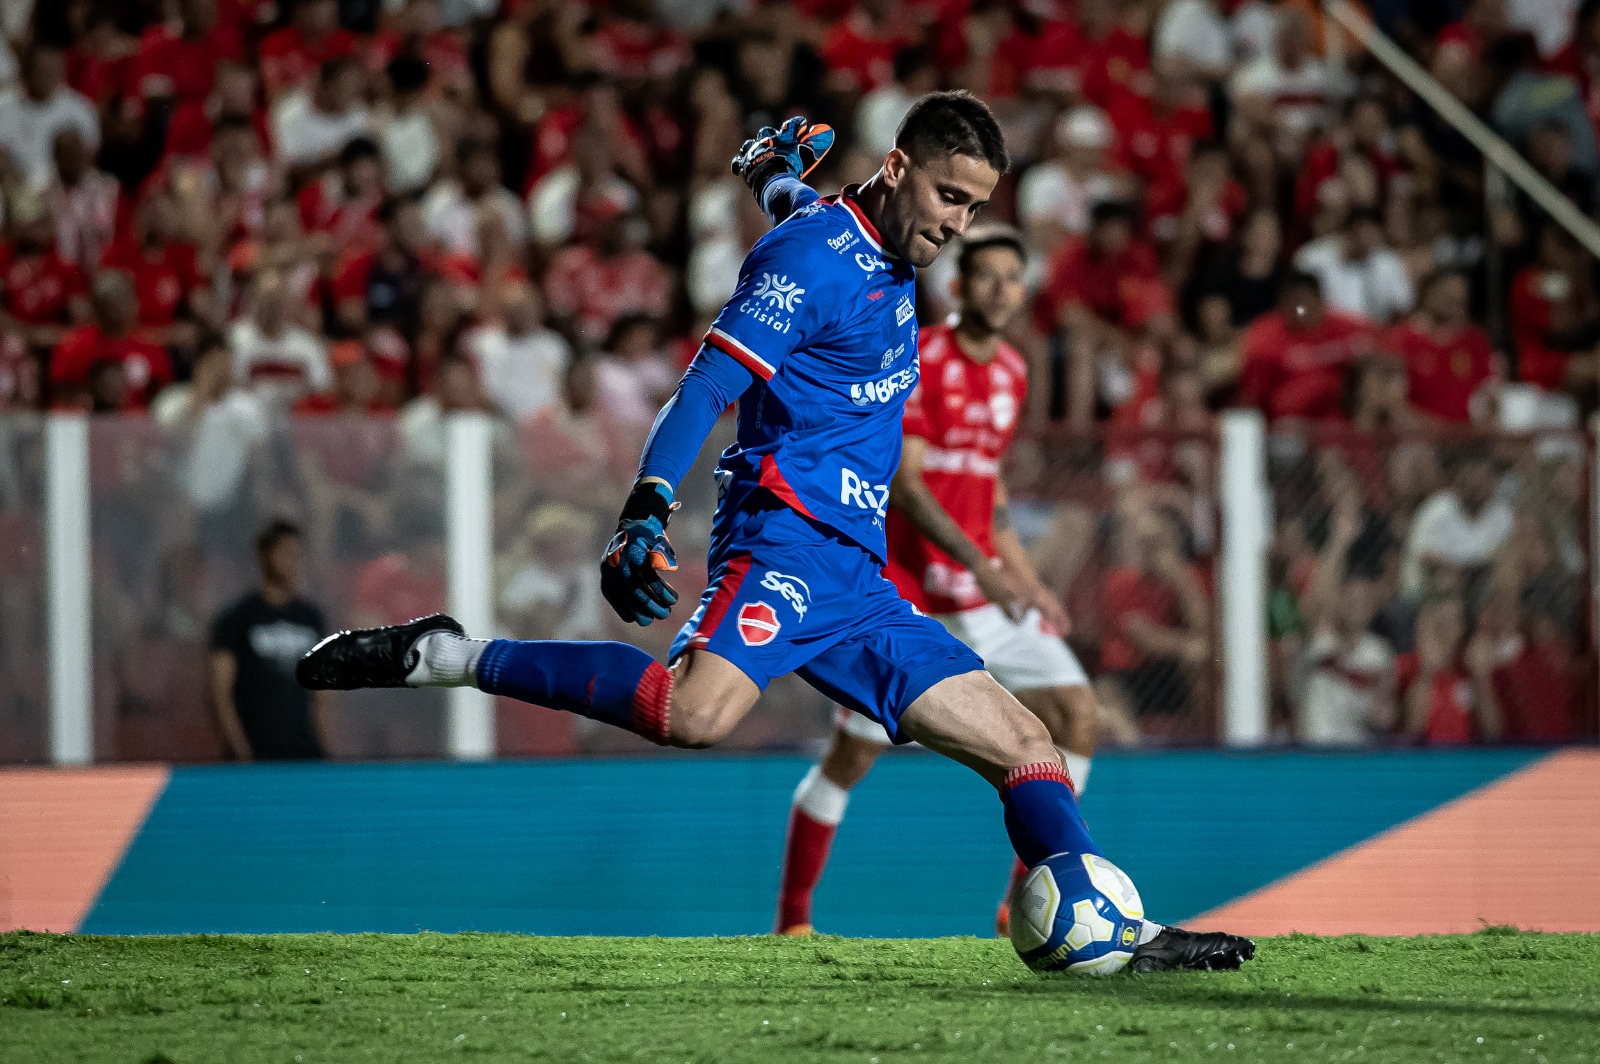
(778, 306)
(225, 630)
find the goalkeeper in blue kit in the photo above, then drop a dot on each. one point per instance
(818, 346)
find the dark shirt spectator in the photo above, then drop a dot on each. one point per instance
(262, 710)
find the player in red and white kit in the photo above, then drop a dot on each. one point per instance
(954, 555)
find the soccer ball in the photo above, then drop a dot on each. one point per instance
(1076, 912)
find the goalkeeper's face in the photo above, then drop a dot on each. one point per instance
(932, 201)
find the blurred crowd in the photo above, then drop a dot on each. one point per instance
(240, 216)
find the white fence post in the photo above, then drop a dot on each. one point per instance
(67, 562)
(1246, 524)
(469, 535)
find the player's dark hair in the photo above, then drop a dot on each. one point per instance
(977, 243)
(1110, 210)
(909, 60)
(274, 533)
(1299, 280)
(358, 149)
(953, 122)
(407, 73)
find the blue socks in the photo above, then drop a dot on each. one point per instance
(1042, 815)
(614, 683)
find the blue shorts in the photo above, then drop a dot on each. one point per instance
(787, 596)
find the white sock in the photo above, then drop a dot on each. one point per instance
(1150, 930)
(1077, 769)
(820, 798)
(445, 659)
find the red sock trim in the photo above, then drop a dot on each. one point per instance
(651, 701)
(1039, 770)
(805, 855)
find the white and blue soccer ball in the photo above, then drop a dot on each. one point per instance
(1076, 912)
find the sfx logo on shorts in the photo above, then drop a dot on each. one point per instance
(758, 624)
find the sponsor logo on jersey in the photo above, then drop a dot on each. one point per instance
(864, 494)
(892, 354)
(875, 294)
(884, 388)
(781, 292)
(809, 209)
(844, 240)
(758, 624)
(870, 263)
(792, 588)
(904, 311)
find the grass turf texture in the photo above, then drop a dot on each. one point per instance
(306, 999)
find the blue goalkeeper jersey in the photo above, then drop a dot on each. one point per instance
(825, 318)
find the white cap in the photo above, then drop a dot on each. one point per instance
(1084, 127)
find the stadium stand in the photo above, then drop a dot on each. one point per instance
(283, 239)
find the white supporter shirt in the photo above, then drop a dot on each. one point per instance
(28, 130)
(1193, 30)
(1442, 531)
(305, 136)
(520, 374)
(1378, 287)
(221, 441)
(410, 148)
(86, 217)
(878, 117)
(1049, 193)
(1300, 96)
(451, 218)
(279, 368)
(1342, 689)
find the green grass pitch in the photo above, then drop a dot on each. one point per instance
(310, 999)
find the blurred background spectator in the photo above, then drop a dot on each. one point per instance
(263, 713)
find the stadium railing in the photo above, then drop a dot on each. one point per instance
(1213, 535)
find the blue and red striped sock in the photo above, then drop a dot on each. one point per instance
(614, 683)
(1042, 815)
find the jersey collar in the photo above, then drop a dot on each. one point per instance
(847, 198)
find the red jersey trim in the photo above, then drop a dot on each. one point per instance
(863, 223)
(773, 480)
(1039, 770)
(741, 354)
(727, 587)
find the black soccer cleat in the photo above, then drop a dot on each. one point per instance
(1175, 949)
(369, 657)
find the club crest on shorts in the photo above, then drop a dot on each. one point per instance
(758, 624)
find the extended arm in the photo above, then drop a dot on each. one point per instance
(1008, 545)
(909, 494)
(223, 669)
(775, 162)
(630, 576)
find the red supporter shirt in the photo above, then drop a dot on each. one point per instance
(36, 288)
(1301, 372)
(1156, 146)
(863, 57)
(289, 61)
(968, 412)
(1125, 290)
(624, 48)
(597, 291)
(146, 364)
(1443, 375)
(1450, 720)
(390, 590)
(1540, 694)
(1053, 58)
(352, 222)
(1533, 300)
(100, 76)
(169, 64)
(1130, 593)
(1116, 65)
(163, 278)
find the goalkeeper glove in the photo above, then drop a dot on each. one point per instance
(796, 147)
(630, 574)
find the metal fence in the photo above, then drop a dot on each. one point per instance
(23, 665)
(1424, 588)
